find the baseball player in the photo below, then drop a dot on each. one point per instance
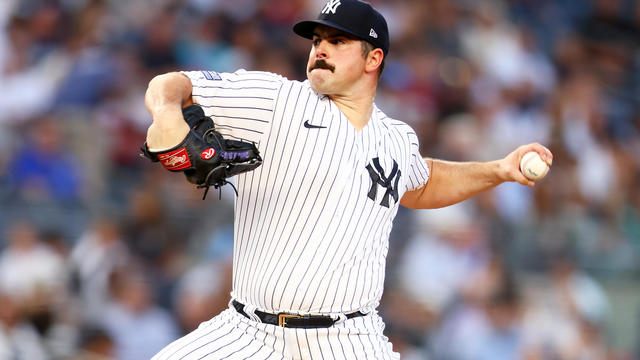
(314, 213)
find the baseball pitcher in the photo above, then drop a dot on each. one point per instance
(320, 172)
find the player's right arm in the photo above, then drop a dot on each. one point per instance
(165, 97)
(451, 182)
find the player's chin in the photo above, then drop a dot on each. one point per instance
(318, 83)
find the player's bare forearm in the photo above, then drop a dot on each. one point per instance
(452, 182)
(166, 95)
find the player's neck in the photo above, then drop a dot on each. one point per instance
(357, 107)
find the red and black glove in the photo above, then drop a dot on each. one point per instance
(205, 156)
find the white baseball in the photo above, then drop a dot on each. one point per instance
(533, 167)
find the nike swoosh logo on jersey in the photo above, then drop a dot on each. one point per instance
(311, 126)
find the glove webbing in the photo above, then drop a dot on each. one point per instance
(208, 134)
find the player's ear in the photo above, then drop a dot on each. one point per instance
(374, 60)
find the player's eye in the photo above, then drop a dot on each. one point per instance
(316, 42)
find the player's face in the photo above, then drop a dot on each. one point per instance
(335, 61)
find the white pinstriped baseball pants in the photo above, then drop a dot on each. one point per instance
(230, 335)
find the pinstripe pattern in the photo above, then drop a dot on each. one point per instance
(309, 238)
(232, 336)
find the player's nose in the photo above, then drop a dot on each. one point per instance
(321, 50)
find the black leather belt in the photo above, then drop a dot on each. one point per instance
(293, 320)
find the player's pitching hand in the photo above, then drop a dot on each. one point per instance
(510, 165)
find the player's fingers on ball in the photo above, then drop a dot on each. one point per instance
(548, 156)
(520, 178)
(543, 151)
(522, 150)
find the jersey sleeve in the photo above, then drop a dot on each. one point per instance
(241, 103)
(418, 168)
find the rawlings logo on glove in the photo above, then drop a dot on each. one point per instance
(175, 160)
(205, 156)
(208, 154)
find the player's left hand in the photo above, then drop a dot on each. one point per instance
(205, 156)
(510, 164)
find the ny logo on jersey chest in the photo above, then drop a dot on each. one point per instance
(379, 178)
(331, 7)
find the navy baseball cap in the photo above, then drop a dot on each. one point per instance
(354, 17)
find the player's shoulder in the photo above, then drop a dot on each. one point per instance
(241, 77)
(245, 75)
(392, 124)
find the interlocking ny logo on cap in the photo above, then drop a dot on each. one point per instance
(331, 7)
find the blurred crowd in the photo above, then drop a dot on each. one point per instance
(105, 256)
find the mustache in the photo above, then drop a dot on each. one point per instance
(321, 64)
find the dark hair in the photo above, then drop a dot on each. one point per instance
(367, 47)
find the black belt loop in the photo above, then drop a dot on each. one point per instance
(293, 320)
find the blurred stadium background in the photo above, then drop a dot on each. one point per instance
(103, 254)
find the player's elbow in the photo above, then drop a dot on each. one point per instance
(171, 88)
(413, 199)
(158, 83)
(423, 204)
(408, 202)
(167, 78)
(424, 198)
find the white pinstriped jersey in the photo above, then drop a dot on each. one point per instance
(312, 223)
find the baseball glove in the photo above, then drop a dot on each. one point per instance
(205, 156)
